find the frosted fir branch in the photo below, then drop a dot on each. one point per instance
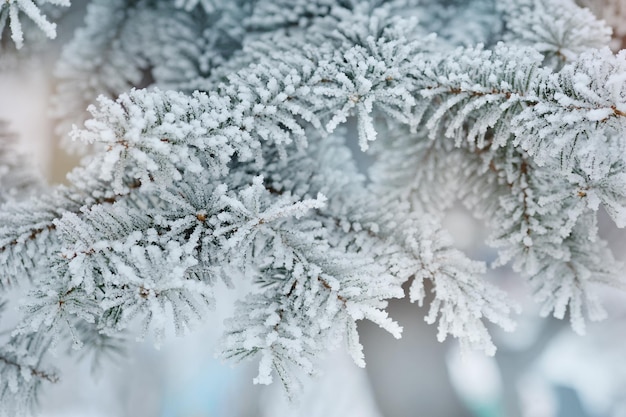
(586, 91)
(321, 34)
(357, 95)
(28, 232)
(416, 249)
(246, 215)
(53, 309)
(130, 265)
(115, 256)
(132, 295)
(579, 115)
(606, 189)
(226, 217)
(371, 54)
(23, 373)
(462, 297)
(485, 96)
(508, 78)
(552, 226)
(535, 214)
(567, 284)
(162, 141)
(26, 244)
(526, 211)
(500, 102)
(288, 336)
(558, 29)
(124, 44)
(140, 284)
(592, 113)
(531, 213)
(312, 292)
(353, 62)
(282, 109)
(264, 330)
(307, 308)
(11, 9)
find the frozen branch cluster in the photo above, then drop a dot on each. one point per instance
(234, 166)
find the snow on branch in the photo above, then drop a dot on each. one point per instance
(11, 9)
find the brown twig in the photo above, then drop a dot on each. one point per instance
(33, 371)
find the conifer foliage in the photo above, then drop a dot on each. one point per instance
(217, 152)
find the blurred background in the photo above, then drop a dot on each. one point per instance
(541, 370)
